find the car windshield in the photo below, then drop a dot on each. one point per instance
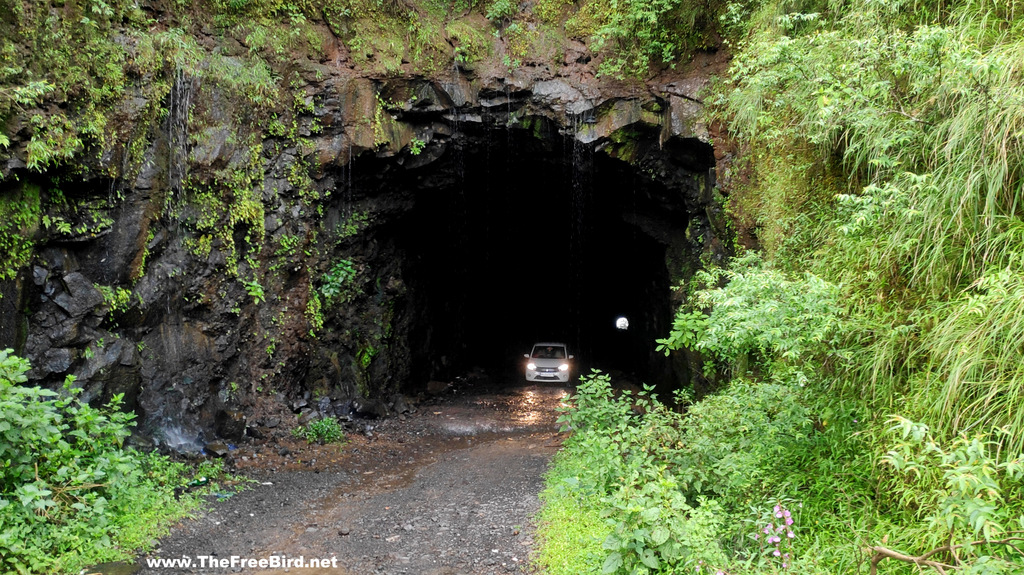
(549, 352)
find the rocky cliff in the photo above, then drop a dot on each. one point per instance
(242, 243)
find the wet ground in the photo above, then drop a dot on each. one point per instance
(448, 489)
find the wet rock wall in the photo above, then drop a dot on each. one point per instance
(238, 264)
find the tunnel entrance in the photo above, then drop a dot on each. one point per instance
(515, 237)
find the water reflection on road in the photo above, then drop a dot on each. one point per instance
(447, 490)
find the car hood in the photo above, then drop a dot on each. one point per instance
(545, 362)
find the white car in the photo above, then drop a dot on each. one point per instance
(549, 361)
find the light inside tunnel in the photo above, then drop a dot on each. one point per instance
(622, 322)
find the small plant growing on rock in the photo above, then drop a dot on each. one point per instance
(336, 286)
(321, 431)
(255, 290)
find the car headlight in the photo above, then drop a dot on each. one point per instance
(563, 367)
(531, 366)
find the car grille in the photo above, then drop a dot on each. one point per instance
(547, 369)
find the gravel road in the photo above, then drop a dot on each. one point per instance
(448, 489)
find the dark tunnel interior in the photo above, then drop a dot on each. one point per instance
(514, 239)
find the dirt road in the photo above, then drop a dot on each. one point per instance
(448, 489)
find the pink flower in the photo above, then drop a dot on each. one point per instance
(790, 535)
(777, 553)
(789, 521)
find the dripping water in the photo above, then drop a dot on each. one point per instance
(581, 181)
(462, 233)
(179, 107)
(177, 130)
(347, 190)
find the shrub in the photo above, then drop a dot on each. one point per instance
(70, 494)
(960, 495)
(500, 11)
(637, 35)
(337, 286)
(760, 312)
(676, 488)
(321, 431)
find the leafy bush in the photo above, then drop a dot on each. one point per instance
(336, 286)
(501, 10)
(960, 494)
(69, 493)
(759, 312)
(641, 33)
(676, 488)
(326, 430)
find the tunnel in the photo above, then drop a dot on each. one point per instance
(513, 237)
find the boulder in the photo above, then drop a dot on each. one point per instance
(79, 296)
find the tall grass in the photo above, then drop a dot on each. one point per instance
(975, 369)
(917, 109)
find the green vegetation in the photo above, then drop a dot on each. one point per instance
(255, 291)
(117, 299)
(866, 366)
(70, 493)
(572, 528)
(19, 219)
(314, 312)
(353, 224)
(908, 168)
(337, 284)
(91, 74)
(416, 146)
(676, 492)
(760, 313)
(638, 34)
(326, 430)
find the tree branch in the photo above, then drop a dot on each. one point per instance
(882, 553)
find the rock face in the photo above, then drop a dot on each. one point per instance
(247, 259)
